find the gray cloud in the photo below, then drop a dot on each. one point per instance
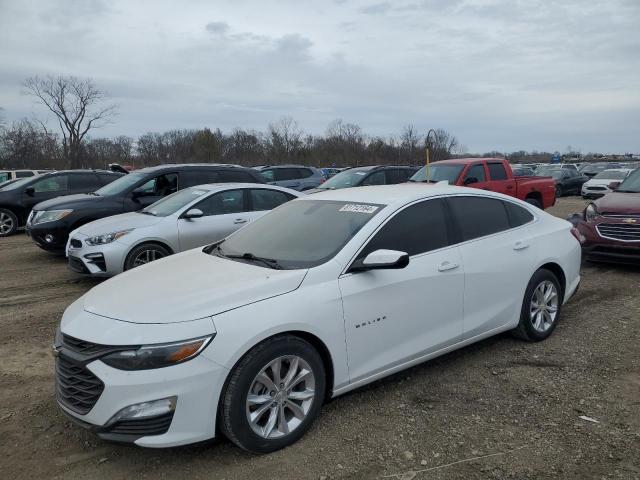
(217, 27)
(376, 8)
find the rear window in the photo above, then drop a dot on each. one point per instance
(517, 215)
(478, 216)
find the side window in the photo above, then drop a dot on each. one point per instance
(161, 186)
(263, 199)
(269, 175)
(84, 181)
(376, 178)
(304, 173)
(222, 203)
(416, 229)
(191, 178)
(51, 184)
(106, 179)
(396, 175)
(475, 171)
(287, 174)
(228, 176)
(24, 174)
(497, 171)
(478, 216)
(517, 214)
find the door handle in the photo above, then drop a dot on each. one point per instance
(239, 220)
(520, 245)
(445, 266)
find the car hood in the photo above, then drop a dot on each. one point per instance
(599, 181)
(81, 200)
(618, 202)
(124, 221)
(186, 287)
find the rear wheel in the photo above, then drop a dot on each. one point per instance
(145, 253)
(8, 222)
(540, 308)
(273, 395)
(533, 201)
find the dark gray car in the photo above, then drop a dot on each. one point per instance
(296, 177)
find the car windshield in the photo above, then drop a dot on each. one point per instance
(548, 171)
(174, 202)
(120, 185)
(299, 234)
(346, 179)
(18, 183)
(611, 175)
(631, 184)
(438, 172)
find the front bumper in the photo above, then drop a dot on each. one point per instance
(50, 236)
(196, 384)
(100, 260)
(598, 248)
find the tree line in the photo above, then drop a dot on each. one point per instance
(79, 108)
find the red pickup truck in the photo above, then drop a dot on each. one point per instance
(490, 174)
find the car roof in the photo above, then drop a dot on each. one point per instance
(469, 160)
(287, 165)
(212, 187)
(182, 166)
(400, 194)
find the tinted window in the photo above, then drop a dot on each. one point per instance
(497, 171)
(397, 175)
(106, 178)
(223, 203)
(478, 216)
(304, 172)
(227, 176)
(51, 184)
(84, 181)
(517, 214)
(477, 172)
(190, 178)
(160, 186)
(376, 178)
(24, 174)
(263, 199)
(416, 229)
(287, 174)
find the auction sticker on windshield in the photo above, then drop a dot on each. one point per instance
(358, 208)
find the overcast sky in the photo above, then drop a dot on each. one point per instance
(501, 74)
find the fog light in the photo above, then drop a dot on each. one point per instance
(48, 238)
(145, 410)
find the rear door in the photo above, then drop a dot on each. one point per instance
(398, 315)
(499, 180)
(224, 213)
(84, 182)
(261, 200)
(496, 259)
(397, 175)
(287, 177)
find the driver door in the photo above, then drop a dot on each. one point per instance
(475, 177)
(153, 190)
(223, 213)
(398, 315)
(49, 187)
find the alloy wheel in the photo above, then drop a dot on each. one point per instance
(6, 223)
(544, 306)
(147, 256)
(280, 397)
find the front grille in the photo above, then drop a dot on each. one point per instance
(75, 243)
(599, 189)
(77, 388)
(635, 216)
(82, 346)
(625, 232)
(143, 426)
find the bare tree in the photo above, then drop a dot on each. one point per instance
(284, 140)
(443, 145)
(76, 103)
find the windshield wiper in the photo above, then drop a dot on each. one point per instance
(269, 262)
(145, 212)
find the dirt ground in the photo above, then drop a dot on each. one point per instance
(515, 405)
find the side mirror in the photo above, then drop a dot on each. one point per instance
(381, 259)
(614, 185)
(30, 191)
(193, 213)
(470, 180)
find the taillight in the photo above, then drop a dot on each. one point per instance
(576, 233)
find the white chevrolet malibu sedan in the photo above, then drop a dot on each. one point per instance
(324, 294)
(189, 218)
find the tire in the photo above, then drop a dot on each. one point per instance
(8, 222)
(267, 433)
(559, 191)
(534, 202)
(534, 327)
(145, 253)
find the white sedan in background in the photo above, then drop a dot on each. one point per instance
(598, 186)
(326, 293)
(189, 218)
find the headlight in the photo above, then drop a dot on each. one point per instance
(590, 213)
(107, 237)
(44, 216)
(157, 356)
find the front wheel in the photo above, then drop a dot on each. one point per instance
(8, 222)
(273, 395)
(145, 253)
(540, 308)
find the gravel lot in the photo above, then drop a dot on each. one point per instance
(516, 404)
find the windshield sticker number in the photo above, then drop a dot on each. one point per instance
(358, 208)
